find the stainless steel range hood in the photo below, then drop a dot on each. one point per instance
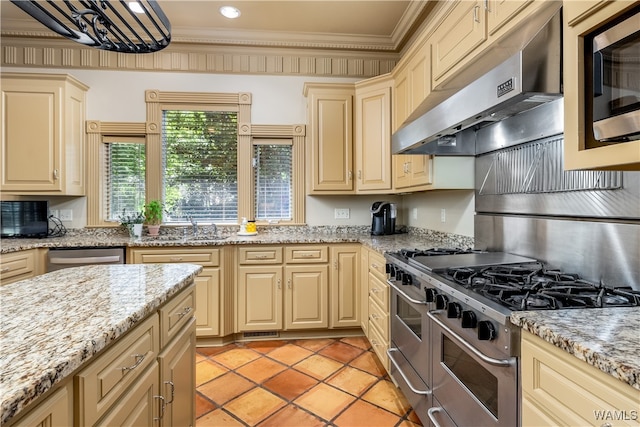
(527, 79)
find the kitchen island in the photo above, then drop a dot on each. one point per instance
(54, 325)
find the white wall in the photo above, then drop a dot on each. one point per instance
(118, 96)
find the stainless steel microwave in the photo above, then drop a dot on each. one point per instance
(614, 50)
(24, 218)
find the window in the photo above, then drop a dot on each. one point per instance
(272, 178)
(125, 169)
(200, 165)
(200, 155)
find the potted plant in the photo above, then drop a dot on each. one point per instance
(153, 216)
(133, 223)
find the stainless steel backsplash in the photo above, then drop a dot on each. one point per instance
(586, 222)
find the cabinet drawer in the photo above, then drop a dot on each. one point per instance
(379, 318)
(260, 255)
(377, 265)
(380, 346)
(379, 291)
(176, 313)
(101, 384)
(205, 258)
(306, 254)
(17, 266)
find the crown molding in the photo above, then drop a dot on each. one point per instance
(58, 52)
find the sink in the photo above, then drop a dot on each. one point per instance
(203, 238)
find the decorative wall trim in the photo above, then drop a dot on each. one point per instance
(198, 58)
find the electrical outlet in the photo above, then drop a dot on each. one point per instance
(66, 215)
(414, 213)
(443, 215)
(341, 213)
(54, 212)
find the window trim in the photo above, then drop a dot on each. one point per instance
(151, 130)
(97, 132)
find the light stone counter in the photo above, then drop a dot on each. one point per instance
(54, 323)
(608, 338)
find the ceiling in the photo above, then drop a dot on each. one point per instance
(383, 26)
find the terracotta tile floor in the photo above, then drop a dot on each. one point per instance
(316, 382)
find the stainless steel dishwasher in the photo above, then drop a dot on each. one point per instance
(76, 257)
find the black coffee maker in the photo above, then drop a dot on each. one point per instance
(383, 218)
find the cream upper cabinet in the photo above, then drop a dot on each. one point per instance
(412, 171)
(330, 147)
(461, 31)
(558, 389)
(373, 135)
(500, 12)
(42, 148)
(580, 19)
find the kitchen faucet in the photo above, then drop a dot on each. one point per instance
(194, 225)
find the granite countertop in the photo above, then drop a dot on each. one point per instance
(52, 324)
(605, 338)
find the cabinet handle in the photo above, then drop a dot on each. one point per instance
(55, 174)
(4, 270)
(162, 407)
(263, 256)
(175, 259)
(289, 283)
(486, 6)
(335, 264)
(173, 389)
(350, 175)
(139, 359)
(359, 174)
(375, 290)
(476, 17)
(305, 255)
(374, 316)
(184, 312)
(279, 284)
(374, 266)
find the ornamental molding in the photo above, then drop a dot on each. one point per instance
(198, 58)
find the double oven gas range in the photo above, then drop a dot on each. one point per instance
(454, 352)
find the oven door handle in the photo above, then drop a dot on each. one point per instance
(402, 374)
(431, 413)
(490, 360)
(404, 294)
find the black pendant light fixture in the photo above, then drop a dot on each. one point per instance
(138, 26)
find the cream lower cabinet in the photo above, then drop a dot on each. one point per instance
(42, 134)
(345, 286)
(56, 410)
(211, 316)
(378, 307)
(560, 390)
(297, 287)
(21, 265)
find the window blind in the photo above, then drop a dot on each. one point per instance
(199, 158)
(125, 162)
(273, 181)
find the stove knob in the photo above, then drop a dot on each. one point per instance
(454, 310)
(486, 330)
(399, 275)
(469, 319)
(430, 294)
(407, 279)
(441, 301)
(390, 269)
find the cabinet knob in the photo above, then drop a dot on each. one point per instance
(55, 174)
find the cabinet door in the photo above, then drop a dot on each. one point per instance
(208, 302)
(364, 289)
(420, 170)
(330, 160)
(345, 276)
(17, 266)
(502, 11)
(31, 136)
(56, 410)
(373, 138)
(400, 97)
(419, 78)
(401, 176)
(461, 31)
(306, 296)
(140, 406)
(178, 378)
(259, 298)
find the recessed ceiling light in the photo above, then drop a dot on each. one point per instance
(229, 12)
(135, 7)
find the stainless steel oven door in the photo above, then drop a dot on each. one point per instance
(472, 388)
(409, 355)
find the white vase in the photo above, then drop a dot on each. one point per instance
(135, 231)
